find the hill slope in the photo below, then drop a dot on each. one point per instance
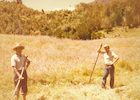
(60, 68)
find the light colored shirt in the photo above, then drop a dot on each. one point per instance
(18, 61)
(109, 57)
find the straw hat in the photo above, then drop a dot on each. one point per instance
(106, 46)
(18, 46)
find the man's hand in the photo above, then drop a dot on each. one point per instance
(99, 49)
(110, 63)
(21, 78)
(101, 44)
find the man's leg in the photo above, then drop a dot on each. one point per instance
(24, 85)
(18, 89)
(105, 74)
(17, 93)
(24, 97)
(112, 76)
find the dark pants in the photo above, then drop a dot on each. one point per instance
(23, 83)
(108, 70)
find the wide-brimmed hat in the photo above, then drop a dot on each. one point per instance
(106, 46)
(18, 46)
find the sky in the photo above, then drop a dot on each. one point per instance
(51, 5)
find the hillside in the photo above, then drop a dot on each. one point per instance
(83, 23)
(60, 68)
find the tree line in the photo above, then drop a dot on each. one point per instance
(85, 22)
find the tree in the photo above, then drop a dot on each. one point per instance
(117, 11)
(82, 31)
(19, 1)
(132, 13)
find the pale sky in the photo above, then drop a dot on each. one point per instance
(49, 5)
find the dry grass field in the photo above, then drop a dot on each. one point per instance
(60, 68)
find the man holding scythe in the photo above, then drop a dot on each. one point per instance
(110, 58)
(20, 63)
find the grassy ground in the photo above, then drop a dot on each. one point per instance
(60, 68)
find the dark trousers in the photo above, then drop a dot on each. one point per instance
(108, 70)
(23, 83)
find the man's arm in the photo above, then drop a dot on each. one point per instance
(13, 64)
(99, 49)
(115, 60)
(18, 74)
(28, 63)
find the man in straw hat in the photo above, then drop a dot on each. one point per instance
(110, 58)
(18, 61)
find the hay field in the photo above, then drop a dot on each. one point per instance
(60, 68)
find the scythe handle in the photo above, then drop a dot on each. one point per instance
(94, 64)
